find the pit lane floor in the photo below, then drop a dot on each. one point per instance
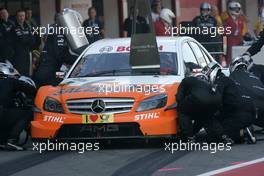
(127, 160)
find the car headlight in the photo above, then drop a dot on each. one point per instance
(154, 102)
(53, 105)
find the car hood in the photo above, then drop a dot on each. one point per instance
(123, 86)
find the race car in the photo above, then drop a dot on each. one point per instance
(101, 97)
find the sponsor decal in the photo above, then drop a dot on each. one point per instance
(113, 88)
(127, 48)
(97, 118)
(147, 116)
(77, 90)
(101, 128)
(53, 119)
(106, 49)
(83, 82)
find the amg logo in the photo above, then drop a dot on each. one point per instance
(102, 128)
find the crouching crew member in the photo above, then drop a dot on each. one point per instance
(250, 84)
(237, 112)
(256, 69)
(15, 114)
(198, 102)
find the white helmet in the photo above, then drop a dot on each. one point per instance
(234, 8)
(167, 15)
(205, 6)
(7, 70)
(27, 80)
(240, 61)
(211, 70)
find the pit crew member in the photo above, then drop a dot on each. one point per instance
(206, 21)
(15, 114)
(250, 84)
(237, 112)
(164, 23)
(53, 56)
(198, 101)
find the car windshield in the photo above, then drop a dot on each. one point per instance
(117, 64)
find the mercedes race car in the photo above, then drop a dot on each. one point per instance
(101, 96)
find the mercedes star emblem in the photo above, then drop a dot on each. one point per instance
(98, 106)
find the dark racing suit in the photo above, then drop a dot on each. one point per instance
(258, 70)
(6, 51)
(13, 116)
(237, 111)
(207, 24)
(251, 86)
(256, 47)
(23, 42)
(197, 101)
(54, 54)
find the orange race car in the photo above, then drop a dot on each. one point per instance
(100, 97)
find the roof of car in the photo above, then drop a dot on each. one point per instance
(120, 40)
(113, 44)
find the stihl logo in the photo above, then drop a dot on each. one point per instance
(53, 119)
(147, 116)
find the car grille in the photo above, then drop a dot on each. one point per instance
(112, 105)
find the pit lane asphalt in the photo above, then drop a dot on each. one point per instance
(125, 160)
